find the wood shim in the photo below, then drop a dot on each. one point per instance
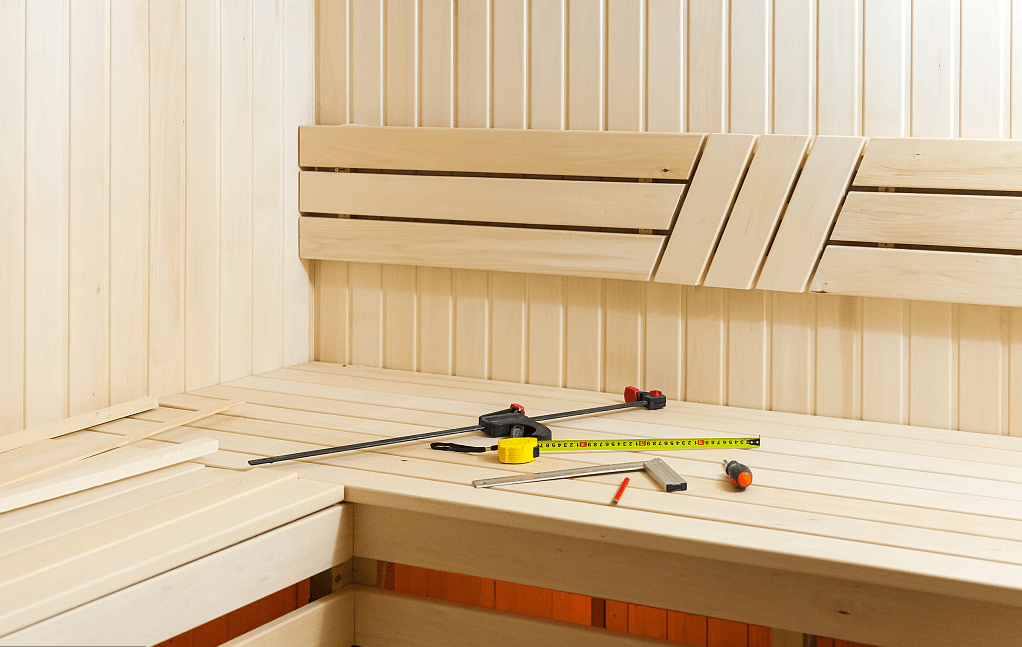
(89, 476)
(115, 442)
(76, 423)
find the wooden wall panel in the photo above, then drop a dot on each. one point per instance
(864, 68)
(146, 249)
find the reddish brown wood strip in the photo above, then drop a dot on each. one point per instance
(617, 615)
(759, 636)
(647, 621)
(725, 633)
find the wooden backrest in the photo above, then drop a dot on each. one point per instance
(916, 226)
(922, 219)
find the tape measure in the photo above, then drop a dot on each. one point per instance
(526, 450)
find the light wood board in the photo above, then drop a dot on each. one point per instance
(757, 212)
(993, 279)
(706, 207)
(163, 606)
(537, 152)
(76, 423)
(922, 163)
(810, 214)
(627, 205)
(542, 251)
(327, 622)
(926, 219)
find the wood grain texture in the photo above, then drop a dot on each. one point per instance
(750, 228)
(962, 277)
(810, 214)
(924, 219)
(463, 246)
(77, 423)
(509, 200)
(941, 164)
(705, 209)
(502, 150)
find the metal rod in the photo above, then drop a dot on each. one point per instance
(434, 434)
(563, 474)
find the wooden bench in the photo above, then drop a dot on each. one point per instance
(881, 534)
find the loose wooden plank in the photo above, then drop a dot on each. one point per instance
(163, 606)
(750, 229)
(810, 214)
(630, 205)
(705, 209)
(60, 459)
(76, 423)
(922, 163)
(991, 279)
(535, 152)
(88, 476)
(926, 219)
(542, 251)
(134, 547)
(385, 618)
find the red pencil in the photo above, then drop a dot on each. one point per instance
(620, 491)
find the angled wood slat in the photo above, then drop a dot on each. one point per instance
(926, 219)
(100, 471)
(969, 164)
(630, 205)
(76, 423)
(538, 251)
(994, 279)
(810, 214)
(707, 204)
(539, 152)
(753, 221)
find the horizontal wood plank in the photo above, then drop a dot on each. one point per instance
(753, 221)
(917, 162)
(926, 219)
(161, 607)
(327, 622)
(388, 618)
(992, 279)
(628, 205)
(810, 214)
(537, 251)
(706, 207)
(76, 423)
(542, 152)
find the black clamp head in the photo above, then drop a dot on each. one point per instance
(652, 399)
(514, 423)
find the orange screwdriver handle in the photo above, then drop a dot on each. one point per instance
(739, 475)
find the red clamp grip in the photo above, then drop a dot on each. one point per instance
(518, 407)
(652, 399)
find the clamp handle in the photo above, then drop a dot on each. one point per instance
(653, 399)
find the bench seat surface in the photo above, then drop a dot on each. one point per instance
(865, 531)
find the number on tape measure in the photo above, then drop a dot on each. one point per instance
(622, 444)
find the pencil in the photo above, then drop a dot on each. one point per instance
(620, 491)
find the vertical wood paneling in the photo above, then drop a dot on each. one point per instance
(624, 93)
(333, 312)
(399, 309)
(706, 346)
(748, 355)
(546, 330)
(12, 216)
(267, 264)
(366, 297)
(884, 354)
(665, 70)
(664, 339)
(435, 291)
(839, 68)
(437, 68)
(1015, 372)
(509, 64)
(89, 209)
(750, 61)
(546, 64)
(331, 65)
(202, 119)
(167, 162)
(839, 356)
(583, 313)
(585, 65)
(508, 300)
(794, 96)
(933, 365)
(474, 63)
(299, 108)
(623, 336)
(985, 68)
(982, 365)
(708, 85)
(885, 51)
(366, 51)
(471, 323)
(236, 182)
(793, 352)
(934, 61)
(46, 212)
(400, 64)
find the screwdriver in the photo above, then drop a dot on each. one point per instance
(739, 475)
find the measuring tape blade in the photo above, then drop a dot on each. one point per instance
(641, 444)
